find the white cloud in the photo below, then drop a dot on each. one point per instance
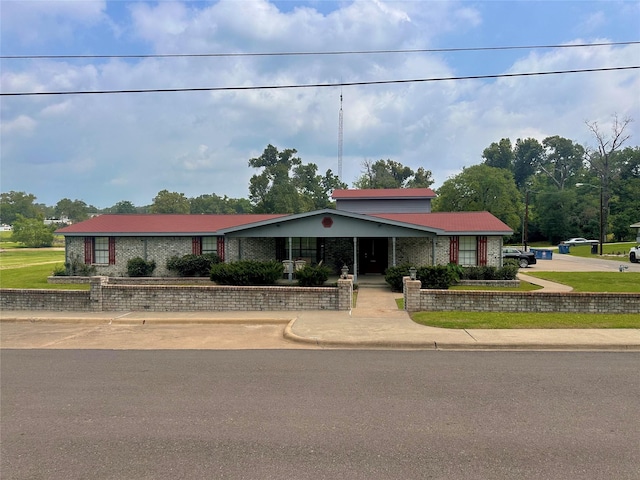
(23, 124)
(200, 142)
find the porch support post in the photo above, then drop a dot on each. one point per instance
(393, 258)
(290, 276)
(355, 259)
(434, 241)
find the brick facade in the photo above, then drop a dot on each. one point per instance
(417, 251)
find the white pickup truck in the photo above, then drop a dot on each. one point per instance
(634, 254)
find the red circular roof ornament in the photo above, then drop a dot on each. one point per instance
(327, 222)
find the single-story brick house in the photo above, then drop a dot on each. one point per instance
(369, 230)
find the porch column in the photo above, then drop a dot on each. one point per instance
(393, 258)
(355, 259)
(290, 276)
(434, 241)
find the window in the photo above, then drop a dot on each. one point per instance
(467, 251)
(203, 245)
(209, 245)
(100, 250)
(301, 247)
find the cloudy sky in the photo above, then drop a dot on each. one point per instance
(104, 148)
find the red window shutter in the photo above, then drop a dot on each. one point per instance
(112, 250)
(196, 245)
(481, 251)
(220, 248)
(88, 250)
(454, 249)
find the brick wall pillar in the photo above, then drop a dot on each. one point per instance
(345, 293)
(411, 292)
(95, 292)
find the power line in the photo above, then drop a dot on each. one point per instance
(346, 52)
(316, 85)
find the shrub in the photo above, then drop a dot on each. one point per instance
(193, 265)
(74, 267)
(393, 276)
(313, 276)
(139, 267)
(59, 271)
(507, 272)
(436, 276)
(246, 272)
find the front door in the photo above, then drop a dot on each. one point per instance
(372, 255)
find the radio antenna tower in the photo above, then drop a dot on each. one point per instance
(340, 140)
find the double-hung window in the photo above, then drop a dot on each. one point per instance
(100, 250)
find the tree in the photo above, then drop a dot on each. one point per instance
(421, 179)
(499, 155)
(216, 204)
(74, 210)
(124, 206)
(481, 188)
(562, 161)
(286, 185)
(391, 174)
(556, 209)
(14, 203)
(602, 161)
(527, 155)
(170, 202)
(31, 232)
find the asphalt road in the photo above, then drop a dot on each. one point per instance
(105, 414)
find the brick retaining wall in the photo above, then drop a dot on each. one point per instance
(54, 300)
(527, 302)
(107, 296)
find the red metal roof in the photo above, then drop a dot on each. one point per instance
(452, 221)
(374, 193)
(162, 224)
(159, 224)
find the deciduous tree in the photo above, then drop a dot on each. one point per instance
(31, 232)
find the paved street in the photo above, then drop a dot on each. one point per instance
(77, 414)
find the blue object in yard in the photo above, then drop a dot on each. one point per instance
(563, 248)
(542, 254)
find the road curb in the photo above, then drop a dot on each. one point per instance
(453, 346)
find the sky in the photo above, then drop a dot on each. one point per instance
(107, 148)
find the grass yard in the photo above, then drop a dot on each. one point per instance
(20, 258)
(34, 276)
(610, 251)
(594, 281)
(29, 268)
(525, 320)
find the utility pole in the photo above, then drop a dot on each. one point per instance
(340, 140)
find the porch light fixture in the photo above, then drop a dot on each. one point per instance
(345, 271)
(412, 273)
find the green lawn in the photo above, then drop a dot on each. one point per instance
(34, 276)
(18, 257)
(29, 268)
(610, 251)
(594, 281)
(459, 319)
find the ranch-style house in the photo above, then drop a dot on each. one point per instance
(369, 230)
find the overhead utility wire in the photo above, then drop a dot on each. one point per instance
(315, 85)
(348, 52)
